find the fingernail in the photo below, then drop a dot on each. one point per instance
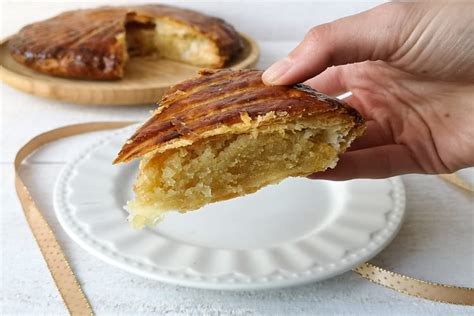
(276, 71)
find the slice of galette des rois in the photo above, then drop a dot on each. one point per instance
(225, 134)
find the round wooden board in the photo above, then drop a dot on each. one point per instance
(145, 80)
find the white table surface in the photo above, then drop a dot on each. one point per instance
(435, 243)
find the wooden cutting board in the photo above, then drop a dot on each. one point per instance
(145, 80)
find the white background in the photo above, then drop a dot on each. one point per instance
(435, 243)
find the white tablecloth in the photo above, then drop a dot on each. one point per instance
(435, 243)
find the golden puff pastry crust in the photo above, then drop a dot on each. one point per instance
(228, 101)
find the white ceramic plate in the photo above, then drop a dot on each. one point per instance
(292, 233)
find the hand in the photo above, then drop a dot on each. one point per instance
(410, 68)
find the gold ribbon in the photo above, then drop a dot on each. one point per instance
(457, 181)
(76, 301)
(419, 288)
(69, 288)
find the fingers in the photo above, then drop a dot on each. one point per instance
(373, 136)
(370, 35)
(373, 163)
(330, 82)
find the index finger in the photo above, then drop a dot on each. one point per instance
(371, 35)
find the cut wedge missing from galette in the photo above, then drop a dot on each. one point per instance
(225, 134)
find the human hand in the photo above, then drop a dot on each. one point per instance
(410, 68)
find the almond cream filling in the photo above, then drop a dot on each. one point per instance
(166, 38)
(230, 165)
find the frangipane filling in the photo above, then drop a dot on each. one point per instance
(223, 167)
(166, 38)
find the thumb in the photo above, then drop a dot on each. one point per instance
(370, 35)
